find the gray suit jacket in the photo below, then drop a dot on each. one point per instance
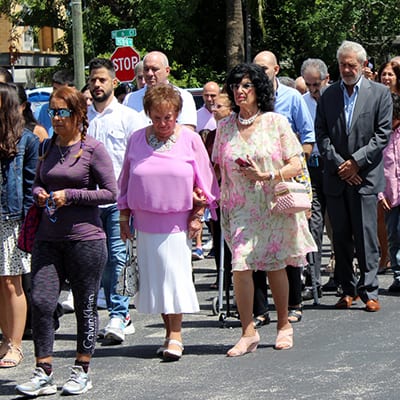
(368, 135)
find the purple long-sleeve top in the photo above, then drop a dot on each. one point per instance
(88, 181)
(158, 186)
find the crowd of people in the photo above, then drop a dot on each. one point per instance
(99, 164)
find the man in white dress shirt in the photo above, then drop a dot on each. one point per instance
(156, 70)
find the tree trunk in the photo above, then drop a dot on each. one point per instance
(234, 33)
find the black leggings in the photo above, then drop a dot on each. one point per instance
(82, 263)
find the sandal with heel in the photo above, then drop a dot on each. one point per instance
(284, 339)
(173, 354)
(246, 344)
(13, 357)
(161, 349)
(295, 314)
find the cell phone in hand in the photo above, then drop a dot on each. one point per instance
(242, 162)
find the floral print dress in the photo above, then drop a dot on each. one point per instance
(259, 239)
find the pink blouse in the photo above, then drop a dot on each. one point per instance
(158, 186)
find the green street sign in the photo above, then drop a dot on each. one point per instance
(121, 33)
(124, 41)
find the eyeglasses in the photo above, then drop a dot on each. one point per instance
(51, 208)
(244, 86)
(61, 112)
(218, 106)
(317, 84)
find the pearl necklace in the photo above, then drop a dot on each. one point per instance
(63, 155)
(161, 145)
(248, 121)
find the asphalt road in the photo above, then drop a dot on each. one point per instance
(338, 354)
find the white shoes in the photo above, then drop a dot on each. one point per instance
(68, 305)
(116, 329)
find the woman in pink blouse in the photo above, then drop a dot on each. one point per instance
(165, 166)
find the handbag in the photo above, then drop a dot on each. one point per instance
(290, 197)
(31, 222)
(29, 228)
(128, 280)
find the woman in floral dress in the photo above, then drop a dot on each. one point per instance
(259, 239)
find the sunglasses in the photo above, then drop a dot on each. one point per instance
(245, 86)
(61, 112)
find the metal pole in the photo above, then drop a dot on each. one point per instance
(77, 37)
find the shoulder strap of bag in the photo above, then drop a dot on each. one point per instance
(43, 147)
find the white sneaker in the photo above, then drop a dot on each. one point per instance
(68, 305)
(129, 328)
(79, 382)
(39, 385)
(208, 246)
(115, 330)
(101, 299)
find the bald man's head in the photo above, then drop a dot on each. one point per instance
(210, 91)
(267, 60)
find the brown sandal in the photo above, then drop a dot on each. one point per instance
(13, 357)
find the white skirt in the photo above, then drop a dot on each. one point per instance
(165, 270)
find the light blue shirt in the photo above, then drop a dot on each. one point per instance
(350, 102)
(290, 103)
(44, 119)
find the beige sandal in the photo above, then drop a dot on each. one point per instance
(173, 354)
(284, 340)
(13, 357)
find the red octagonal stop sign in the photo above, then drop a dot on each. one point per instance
(124, 60)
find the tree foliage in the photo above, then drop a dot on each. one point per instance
(193, 33)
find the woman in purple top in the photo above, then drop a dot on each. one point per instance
(166, 165)
(73, 177)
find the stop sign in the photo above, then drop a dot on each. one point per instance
(124, 60)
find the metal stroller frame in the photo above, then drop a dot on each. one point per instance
(224, 282)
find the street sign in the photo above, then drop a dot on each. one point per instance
(124, 41)
(124, 60)
(131, 32)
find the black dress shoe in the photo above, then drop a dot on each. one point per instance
(307, 293)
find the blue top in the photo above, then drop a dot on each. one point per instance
(17, 178)
(290, 103)
(44, 119)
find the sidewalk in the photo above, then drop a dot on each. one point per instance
(338, 354)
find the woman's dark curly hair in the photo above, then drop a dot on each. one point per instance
(262, 85)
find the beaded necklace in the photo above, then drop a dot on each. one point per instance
(250, 120)
(161, 145)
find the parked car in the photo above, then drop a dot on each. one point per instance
(197, 94)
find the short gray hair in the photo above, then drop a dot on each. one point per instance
(355, 47)
(317, 64)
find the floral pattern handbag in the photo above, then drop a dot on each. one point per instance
(128, 280)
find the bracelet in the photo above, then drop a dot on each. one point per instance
(124, 218)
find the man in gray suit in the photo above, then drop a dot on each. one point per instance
(353, 125)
